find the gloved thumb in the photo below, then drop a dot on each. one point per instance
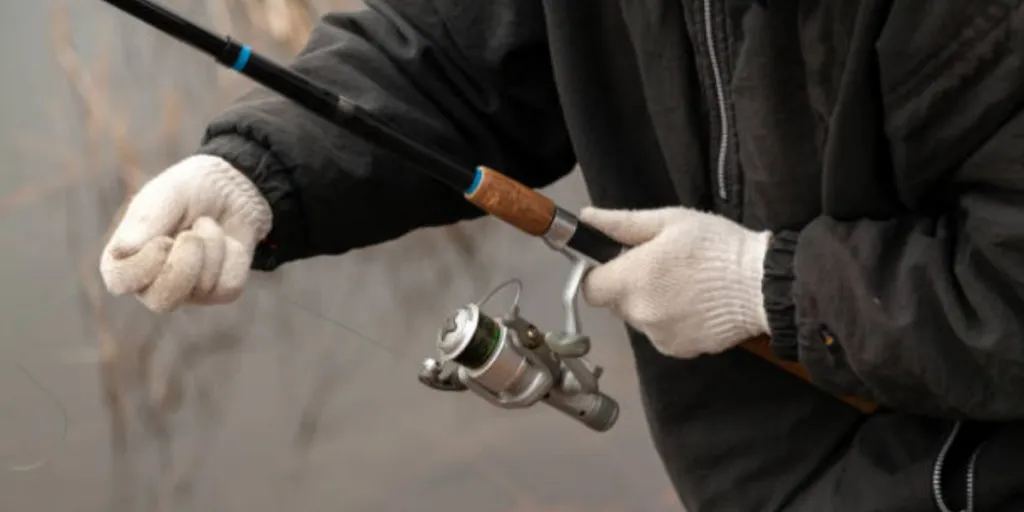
(133, 273)
(630, 227)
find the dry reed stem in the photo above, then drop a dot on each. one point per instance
(96, 110)
(120, 363)
(124, 364)
(287, 22)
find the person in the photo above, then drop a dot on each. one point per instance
(847, 177)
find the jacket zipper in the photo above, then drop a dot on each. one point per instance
(723, 118)
(937, 470)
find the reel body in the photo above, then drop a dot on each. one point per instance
(512, 364)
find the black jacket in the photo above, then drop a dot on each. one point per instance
(882, 142)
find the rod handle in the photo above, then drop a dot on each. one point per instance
(511, 201)
(761, 347)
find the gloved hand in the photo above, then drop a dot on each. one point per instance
(188, 236)
(691, 283)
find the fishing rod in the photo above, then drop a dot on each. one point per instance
(505, 359)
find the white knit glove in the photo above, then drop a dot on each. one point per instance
(188, 236)
(692, 283)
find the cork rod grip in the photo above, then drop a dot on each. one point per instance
(511, 201)
(761, 347)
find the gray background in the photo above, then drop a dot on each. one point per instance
(300, 397)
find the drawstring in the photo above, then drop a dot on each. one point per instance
(940, 461)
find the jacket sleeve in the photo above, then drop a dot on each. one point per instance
(471, 80)
(923, 310)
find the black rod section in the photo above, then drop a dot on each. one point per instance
(596, 245)
(316, 98)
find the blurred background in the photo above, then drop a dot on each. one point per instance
(303, 395)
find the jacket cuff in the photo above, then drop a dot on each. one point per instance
(287, 239)
(777, 287)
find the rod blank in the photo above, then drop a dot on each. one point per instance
(318, 99)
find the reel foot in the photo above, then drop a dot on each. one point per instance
(574, 345)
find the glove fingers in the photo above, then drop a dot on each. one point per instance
(156, 210)
(135, 272)
(630, 227)
(233, 274)
(179, 275)
(606, 285)
(213, 255)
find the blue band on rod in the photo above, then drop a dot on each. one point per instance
(243, 58)
(477, 178)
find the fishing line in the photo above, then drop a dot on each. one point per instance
(65, 417)
(294, 303)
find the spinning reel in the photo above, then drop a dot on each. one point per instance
(512, 364)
